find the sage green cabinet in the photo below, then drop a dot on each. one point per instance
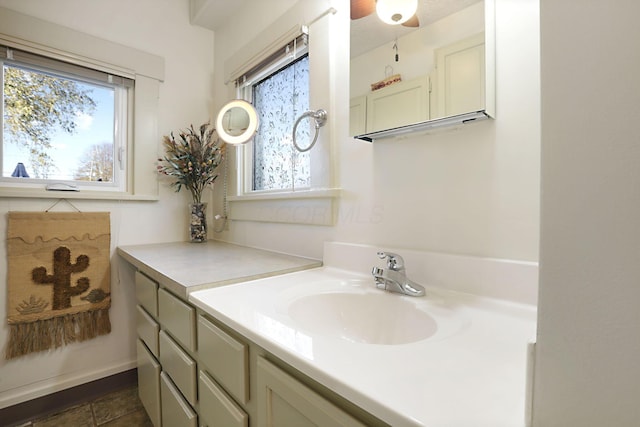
(180, 367)
(177, 317)
(225, 358)
(147, 294)
(176, 412)
(285, 401)
(167, 367)
(196, 371)
(149, 383)
(216, 408)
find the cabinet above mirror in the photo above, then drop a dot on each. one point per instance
(441, 73)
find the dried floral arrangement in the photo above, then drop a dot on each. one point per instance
(191, 159)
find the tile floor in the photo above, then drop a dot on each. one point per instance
(118, 409)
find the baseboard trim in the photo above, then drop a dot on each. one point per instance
(23, 412)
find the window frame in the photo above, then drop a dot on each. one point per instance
(123, 103)
(316, 205)
(245, 91)
(26, 33)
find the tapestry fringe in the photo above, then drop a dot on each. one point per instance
(47, 334)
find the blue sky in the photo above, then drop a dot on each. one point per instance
(68, 149)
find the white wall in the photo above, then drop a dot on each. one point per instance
(588, 351)
(160, 27)
(472, 191)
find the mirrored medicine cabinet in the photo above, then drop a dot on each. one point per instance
(405, 80)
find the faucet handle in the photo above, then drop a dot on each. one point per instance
(394, 261)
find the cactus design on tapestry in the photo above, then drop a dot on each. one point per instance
(63, 268)
(58, 279)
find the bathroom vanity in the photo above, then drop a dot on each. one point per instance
(177, 344)
(321, 345)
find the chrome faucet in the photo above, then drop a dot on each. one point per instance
(394, 279)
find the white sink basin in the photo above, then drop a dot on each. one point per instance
(371, 318)
(354, 310)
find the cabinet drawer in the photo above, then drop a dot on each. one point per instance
(216, 409)
(180, 367)
(179, 318)
(176, 412)
(225, 358)
(147, 293)
(147, 330)
(149, 383)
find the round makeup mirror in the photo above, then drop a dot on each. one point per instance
(237, 122)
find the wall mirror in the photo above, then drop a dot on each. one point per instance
(436, 70)
(237, 122)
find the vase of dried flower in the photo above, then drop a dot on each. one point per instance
(198, 222)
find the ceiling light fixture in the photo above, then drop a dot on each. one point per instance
(395, 12)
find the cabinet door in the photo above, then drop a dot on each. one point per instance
(461, 77)
(284, 401)
(149, 383)
(397, 105)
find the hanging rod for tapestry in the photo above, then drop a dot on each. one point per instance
(62, 200)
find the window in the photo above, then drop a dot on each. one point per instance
(279, 100)
(278, 87)
(275, 183)
(62, 123)
(100, 67)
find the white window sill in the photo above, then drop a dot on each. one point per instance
(40, 193)
(311, 207)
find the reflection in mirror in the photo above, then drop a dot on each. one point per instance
(432, 73)
(237, 122)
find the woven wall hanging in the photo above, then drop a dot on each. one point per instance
(58, 279)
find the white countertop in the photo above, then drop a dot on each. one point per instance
(184, 267)
(473, 376)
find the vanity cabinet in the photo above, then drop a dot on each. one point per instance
(242, 385)
(190, 372)
(167, 367)
(193, 371)
(285, 401)
(148, 328)
(196, 371)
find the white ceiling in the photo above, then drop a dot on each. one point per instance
(366, 33)
(369, 32)
(214, 13)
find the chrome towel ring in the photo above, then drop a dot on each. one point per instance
(320, 118)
